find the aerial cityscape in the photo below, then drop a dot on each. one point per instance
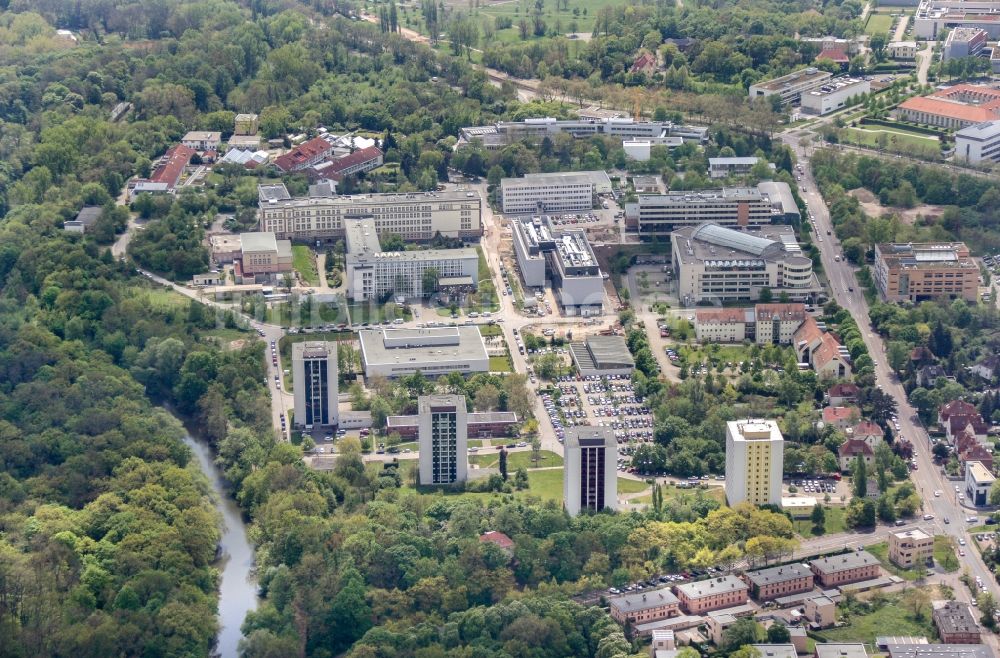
(499, 328)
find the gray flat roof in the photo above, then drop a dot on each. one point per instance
(938, 651)
(273, 192)
(955, 617)
(980, 131)
(776, 650)
(609, 351)
(564, 177)
(732, 161)
(644, 600)
(416, 346)
(588, 435)
(778, 574)
(89, 214)
(426, 403)
(361, 237)
(315, 349)
(844, 562)
(258, 241)
(369, 199)
(841, 650)
(719, 585)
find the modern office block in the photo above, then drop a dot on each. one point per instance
(443, 439)
(314, 382)
(590, 480)
(754, 461)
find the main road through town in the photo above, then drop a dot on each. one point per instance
(949, 514)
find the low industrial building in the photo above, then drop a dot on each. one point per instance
(373, 274)
(978, 143)
(791, 87)
(798, 507)
(846, 568)
(956, 624)
(834, 95)
(964, 42)
(643, 607)
(774, 582)
(917, 272)
(775, 650)
(712, 263)
(978, 483)
(553, 192)
(910, 548)
(534, 130)
(84, 220)
(432, 351)
(602, 356)
(565, 257)
(713, 594)
(482, 425)
(725, 167)
(417, 216)
(939, 651)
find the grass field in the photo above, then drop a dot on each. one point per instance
(896, 138)
(889, 618)
(881, 551)
(516, 460)
(878, 24)
(164, 298)
(304, 262)
(548, 484)
(944, 553)
(487, 330)
(501, 364)
(834, 523)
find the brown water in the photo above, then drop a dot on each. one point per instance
(237, 584)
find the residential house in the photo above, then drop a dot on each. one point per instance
(821, 611)
(956, 624)
(956, 415)
(644, 607)
(713, 594)
(969, 449)
(202, 140)
(851, 449)
(304, 155)
(842, 394)
(921, 355)
(775, 582)
(813, 345)
(498, 539)
(928, 375)
(644, 63)
(988, 368)
(846, 568)
(869, 432)
(841, 417)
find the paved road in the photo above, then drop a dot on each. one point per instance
(928, 477)
(901, 28)
(924, 58)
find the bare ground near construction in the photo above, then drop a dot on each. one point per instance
(873, 208)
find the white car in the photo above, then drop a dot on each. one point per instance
(937, 494)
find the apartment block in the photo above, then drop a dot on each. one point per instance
(917, 272)
(373, 274)
(846, 568)
(754, 462)
(911, 548)
(553, 193)
(775, 582)
(704, 595)
(644, 607)
(416, 217)
(315, 383)
(443, 439)
(590, 476)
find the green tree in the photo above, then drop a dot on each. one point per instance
(503, 464)
(778, 634)
(745, 631)
(818, 518)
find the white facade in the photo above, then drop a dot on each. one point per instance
(417, 216)
(935, 16)
(530, 242)
(201, 140)
(443, 439)
(902, 50)
(315, 383)
(833, 95)
(434, 352)
(754, 462)
(978, 482)
(637, 149)
(790, 87)
(657, 215)
(590, 478)
(723, 167)
(553, 193)
(978, 142)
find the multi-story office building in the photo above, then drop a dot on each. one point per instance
(719, 592)
(833, 95)
(934, 16)
(718, 264)
(658, 215)
(373, 273)
(979, 142)
(534, 130)
(416, 216)
(553, 193)
(847, 568)
(314, 383)
(766, 324)
(754, 460)
(791, 87)
(910, 548)
(443, 439)
(434, 351)
(723, 167)
(964, 42)
(775, 582)
(917, 272)
(590, 477)
(481, 424)
(955, 107)
(565, 256)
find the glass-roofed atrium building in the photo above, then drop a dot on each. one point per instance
(713, 263)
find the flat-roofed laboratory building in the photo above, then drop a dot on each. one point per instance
(432, 351)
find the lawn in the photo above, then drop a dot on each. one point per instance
(878, 23)
(834, 523)
(304, 262)
(671, 493)
(891, 618)
(881, 551)
(501, 364)
(548, 484)
(897, 138)
(944, 553)
(516, 460)
(164, 299)
(487, 330)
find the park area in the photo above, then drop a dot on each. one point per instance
(878, 23)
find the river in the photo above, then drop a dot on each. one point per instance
(237, 586)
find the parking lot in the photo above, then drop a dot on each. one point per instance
(601, 402)
(818, 487)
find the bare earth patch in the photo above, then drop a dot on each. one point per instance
(873, 208)
(236, 344)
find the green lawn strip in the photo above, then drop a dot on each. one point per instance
(304, 262)
(878, 24)
(548, 484)
(944, 553)
(834, 523)
(516, 460)
(501, 364)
